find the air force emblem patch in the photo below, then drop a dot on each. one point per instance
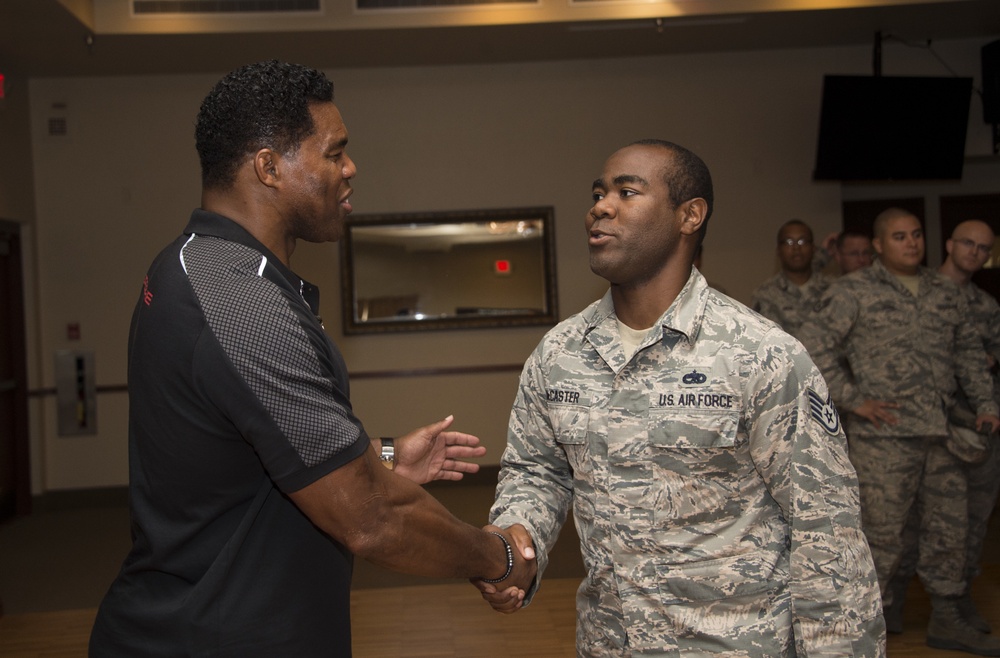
(824, 412)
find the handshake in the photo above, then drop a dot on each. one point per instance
(507, 594)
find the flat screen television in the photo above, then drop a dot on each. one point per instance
(881, 128)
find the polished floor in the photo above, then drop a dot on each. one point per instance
(55, 565)
(448, 621)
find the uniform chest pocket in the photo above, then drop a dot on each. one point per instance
(697, 467)
(570, 426)
(693, 429)
(884, 327)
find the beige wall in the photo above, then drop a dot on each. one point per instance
(16, 198)
(124, 180)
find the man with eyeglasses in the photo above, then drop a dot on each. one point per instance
(789, 296)
(852, 251)
(969, 249)
(904, 333)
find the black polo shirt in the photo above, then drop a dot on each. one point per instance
(236, 397)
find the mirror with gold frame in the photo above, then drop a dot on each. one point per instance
(448, 270)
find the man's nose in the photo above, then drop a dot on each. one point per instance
(350, 169)
(603, 208)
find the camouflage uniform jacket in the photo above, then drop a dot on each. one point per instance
(984, 315)
(717, 510)
(787, 304)
(912, 350)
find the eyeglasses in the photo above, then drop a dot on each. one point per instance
(790, 242)
(969, 244)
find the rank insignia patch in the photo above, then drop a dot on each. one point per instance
(824, 412)
(694, 378)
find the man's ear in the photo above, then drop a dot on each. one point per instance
(265, 166)
(877, 245)
(693, 213)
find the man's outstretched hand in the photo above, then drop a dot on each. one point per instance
(431, 453)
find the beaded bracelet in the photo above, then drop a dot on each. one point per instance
(510, 560)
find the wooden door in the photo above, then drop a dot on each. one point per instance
(15, 488)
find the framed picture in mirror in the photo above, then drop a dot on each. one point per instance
(448, 270)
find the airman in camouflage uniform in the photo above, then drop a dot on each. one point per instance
(852, 250)
(907, 349)
(717, 510)
(790, 296)
(983, 477)
(968, 250)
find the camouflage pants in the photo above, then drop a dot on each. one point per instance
(983, 489)
(984, 485)
(895, 474)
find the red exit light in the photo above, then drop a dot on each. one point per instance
(501, 267)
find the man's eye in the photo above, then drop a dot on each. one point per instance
(627, 193)
(597, 196)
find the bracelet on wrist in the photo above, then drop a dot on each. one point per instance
(510, 560)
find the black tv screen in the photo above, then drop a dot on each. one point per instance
(878, 128)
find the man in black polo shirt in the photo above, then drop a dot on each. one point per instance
(252, 483)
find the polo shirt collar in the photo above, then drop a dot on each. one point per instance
(204, 222)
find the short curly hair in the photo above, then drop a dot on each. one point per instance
(262, 105)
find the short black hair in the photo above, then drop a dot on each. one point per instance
(687, 179)
(262, 105)
(883, 218)
(794, 222)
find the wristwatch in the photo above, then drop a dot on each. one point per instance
(388, 454)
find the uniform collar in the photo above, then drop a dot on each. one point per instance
(879, 270)
(816, 281)
(684, 316)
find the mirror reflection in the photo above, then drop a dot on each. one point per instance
(420, 271)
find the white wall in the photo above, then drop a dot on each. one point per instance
(439, 138)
